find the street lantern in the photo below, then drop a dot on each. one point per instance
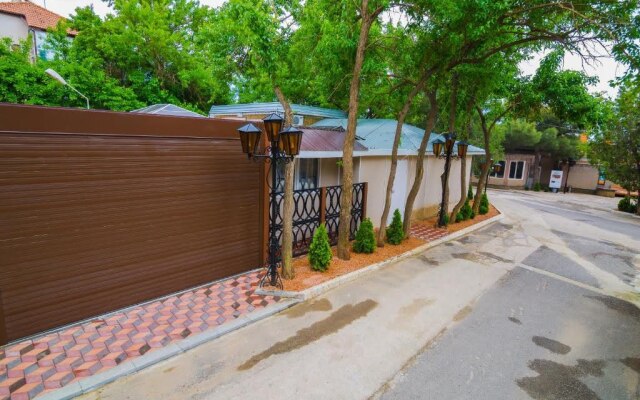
(462, 149)
(284, 145)
(450, 139)
(494, 168)
(273, 126)
(249, 138)
(437, 147)
(291, 138)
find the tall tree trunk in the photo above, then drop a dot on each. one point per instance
(413, 193)
(347, 149)
(402, 115)
(486, 132)
(463, 189)
(444, 178)
(287, 209)
(463, 164)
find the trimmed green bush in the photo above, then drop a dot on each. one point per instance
(459, 217)
(470, 193)
(365, 238)
(446, 219)
(395, 233)
(320, 250)
(473, 214)
(626, 204)
(466, 210)
(537, 187)
(484, 204)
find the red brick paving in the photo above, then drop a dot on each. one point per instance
(427, 233)
(49, 362)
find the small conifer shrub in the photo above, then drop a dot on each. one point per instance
(320, 250)
(466, 210)
(365, 241)
(395, 233)
(484, 204)
(470, 193)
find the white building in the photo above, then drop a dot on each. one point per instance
(23, 20)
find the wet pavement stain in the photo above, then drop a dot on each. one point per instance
(428, 261)
(623, 307)
(560, 381)
(412, 309)
(301, 310)
(495, 257)
(465, 256)
(449, 244)
(632, 362)
(551, 345)
(515, 320)
(340, 318)
(462, 314)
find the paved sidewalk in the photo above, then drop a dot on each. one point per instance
(46, 363)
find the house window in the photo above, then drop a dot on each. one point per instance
(516, 169)
(498, 174)
(307, 173)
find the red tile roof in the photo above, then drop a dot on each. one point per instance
(36, 16)
(325, 139)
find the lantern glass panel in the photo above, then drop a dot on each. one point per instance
(462, 149)
(249, 138)
(273, 126)
(437, 147)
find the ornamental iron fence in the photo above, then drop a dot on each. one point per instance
(321, 205)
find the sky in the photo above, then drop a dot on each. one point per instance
(607, 69)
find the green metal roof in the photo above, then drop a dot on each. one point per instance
(265, 108)
(378, 134)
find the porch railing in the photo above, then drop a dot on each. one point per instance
(315, 206)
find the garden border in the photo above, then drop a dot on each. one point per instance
(317, 290)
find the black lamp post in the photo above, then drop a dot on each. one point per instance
(284, 145)
(497, 167)
(444, 149)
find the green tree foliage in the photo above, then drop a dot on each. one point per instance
(26, 83)
(470, 193)
(616, 148)
(320, 250)
(395, 231)
(627, 205)
(365, 241)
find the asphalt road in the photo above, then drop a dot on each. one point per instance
(530, 307)
(557, 325)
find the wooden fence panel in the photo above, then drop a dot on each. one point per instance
(102, 210)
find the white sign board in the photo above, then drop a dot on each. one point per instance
(556, 179)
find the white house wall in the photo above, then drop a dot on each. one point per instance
(14, 27)
(375, 171)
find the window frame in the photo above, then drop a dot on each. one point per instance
(297, 183)
(515, 174)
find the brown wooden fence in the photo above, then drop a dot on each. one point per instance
(101, 210)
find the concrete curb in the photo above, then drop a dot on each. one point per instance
(94, 382)
(326, 286)
(626, 214)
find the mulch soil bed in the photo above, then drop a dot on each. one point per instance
(306, 277)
